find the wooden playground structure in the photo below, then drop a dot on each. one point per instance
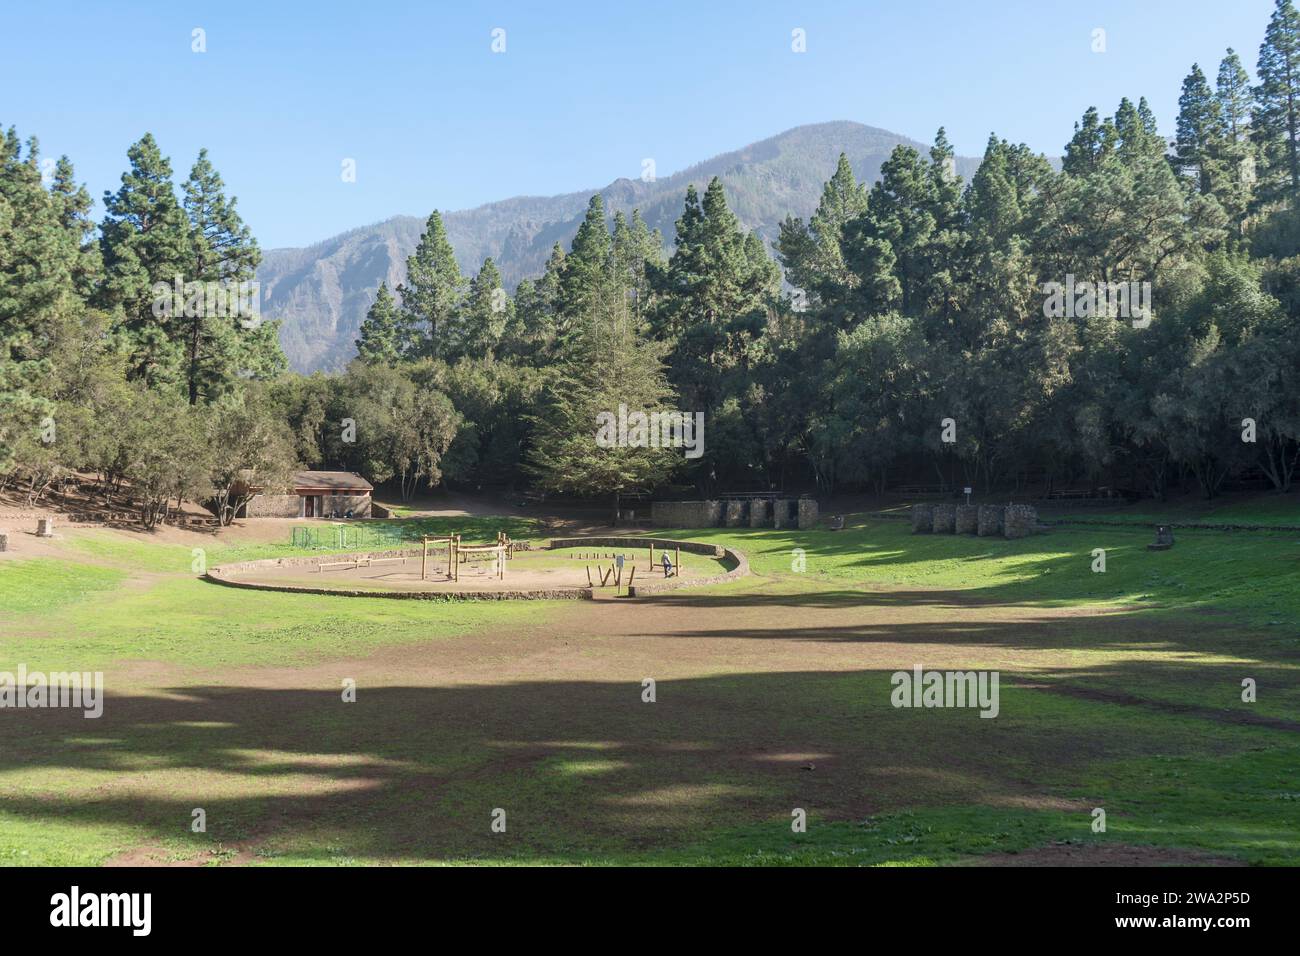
(613, 575)
(458, 554)
(445, 564)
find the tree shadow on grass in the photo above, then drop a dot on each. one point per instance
(585, 770)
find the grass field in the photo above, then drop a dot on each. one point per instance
(1119, 691)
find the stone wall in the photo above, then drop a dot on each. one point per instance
(757, 513)
(359, 505)
(686, 514)
(273, 506)
(989, 522)
(737, 516)
(1020, 521)
(967, 519)
(945, 519)
(922, 519)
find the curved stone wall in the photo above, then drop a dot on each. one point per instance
(740, 564)
(228, 574)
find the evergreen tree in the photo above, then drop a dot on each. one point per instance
(382, 331)
(1236, 152)
(532, 334)
(432, 292)
(587, 267)
(145, 240)
(1093, 142)
(483, 316)
(1275, 123)
(1200, 124)
(220, 344)
(813, 255)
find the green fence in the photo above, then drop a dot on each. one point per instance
(351, 537)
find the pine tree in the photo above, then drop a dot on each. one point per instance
(1137, 137)
(1275, 123)
(1232, 90)
(587, 267)
(220, 345)
(73, 204)
(382, 330)
(145, 239)
(610, 363)
(813, 255)
(432, 292)
(1200, 124)
(483, 316)
(537, 314)
(1093, 142)
(1236, 152)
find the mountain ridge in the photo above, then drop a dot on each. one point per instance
(321, 292)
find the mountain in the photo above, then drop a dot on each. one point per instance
(321, 292)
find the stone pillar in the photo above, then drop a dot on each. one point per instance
(736, 516)
(784, 515)
(922, 519)
(44, 528)
(808, 512)
(1020, 521)
(760, 513)
(989, 522)
(713, 514)
(4, 541)
(967, 519)
(945, 519)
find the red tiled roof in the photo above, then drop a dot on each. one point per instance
(330, 481)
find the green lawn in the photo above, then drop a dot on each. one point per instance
(1134, 709)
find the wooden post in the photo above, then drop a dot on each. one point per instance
(630, 578)
(589, 584)
(424, 557)
(677, 561)
(652, 554)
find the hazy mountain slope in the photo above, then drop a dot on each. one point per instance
(322, 292)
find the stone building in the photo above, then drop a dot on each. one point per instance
(315, 494)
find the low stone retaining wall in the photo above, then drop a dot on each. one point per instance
(967, 519)
(1019, 521)
(735, 513)
(228, 574)
(672, 584)
(922, 519)
(945, 519)
(989, 522)
(1009, 521)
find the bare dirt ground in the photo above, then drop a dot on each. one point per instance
(525, 571)
(744, 691)
(761, 692)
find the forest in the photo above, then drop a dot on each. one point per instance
(918, 329)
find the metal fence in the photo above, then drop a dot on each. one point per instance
(351, 537)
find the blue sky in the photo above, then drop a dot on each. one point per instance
(582, 93)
